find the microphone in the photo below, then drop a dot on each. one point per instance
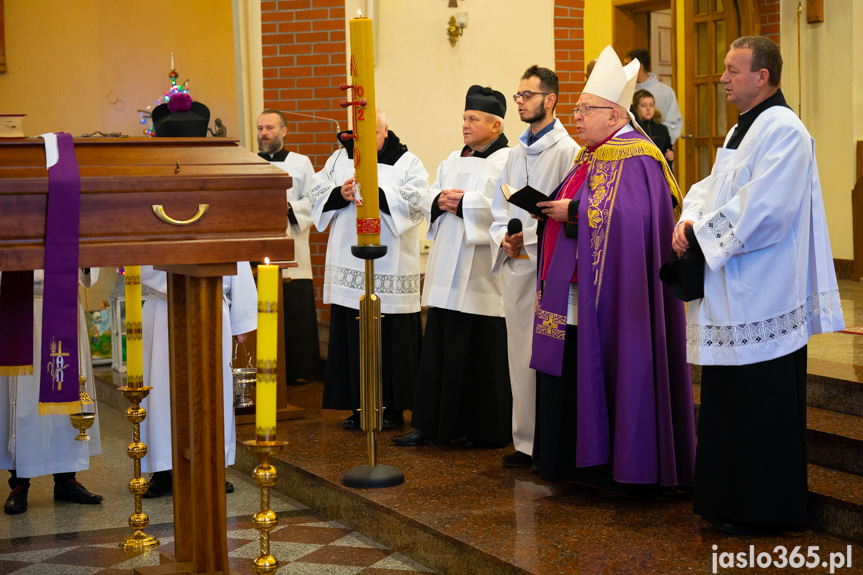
(514, 226)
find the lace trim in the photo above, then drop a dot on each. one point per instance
(412, 196)
(727, 243)
(755, 335)
(829, 306)
(384, 283)
(319, 190)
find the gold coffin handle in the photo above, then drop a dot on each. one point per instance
(160, 213)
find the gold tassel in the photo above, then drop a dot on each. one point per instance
(59, 408)
(16, 370)
(623, 149)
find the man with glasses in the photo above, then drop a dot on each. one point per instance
(541, 159)
(614, 395)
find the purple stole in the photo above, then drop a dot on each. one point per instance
(16, 324)
(58, 384)
(552, 299)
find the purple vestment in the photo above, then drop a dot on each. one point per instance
(634, 393)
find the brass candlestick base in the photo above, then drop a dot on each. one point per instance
(265, 520)
(137, 485)
(371, 476)
(82, 422)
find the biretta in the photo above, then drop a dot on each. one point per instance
(485, 100)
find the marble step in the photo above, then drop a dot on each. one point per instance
(384, 522)
(829, 385)
(835, 453)
(834, 439)
(836, 502)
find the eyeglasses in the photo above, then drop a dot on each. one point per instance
(527, 95)
(586, 110)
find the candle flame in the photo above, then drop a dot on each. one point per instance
(359, 13)
(267, 261)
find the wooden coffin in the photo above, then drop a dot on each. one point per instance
(121, 181)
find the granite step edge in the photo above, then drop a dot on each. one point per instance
(838, 389)
(423, 543)
(836, 502)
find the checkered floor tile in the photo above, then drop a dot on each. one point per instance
(302, 543)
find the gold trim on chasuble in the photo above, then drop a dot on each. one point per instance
(603, 180)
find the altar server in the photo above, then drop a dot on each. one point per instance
(302, 352)
(758, 223)
(239, 317)
(463, 384)
(402, 181)
(32, 445)
(541, 159)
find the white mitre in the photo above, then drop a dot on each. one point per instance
(612, 81)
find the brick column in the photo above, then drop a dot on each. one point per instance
(304, 61)
(569, 56)
(769, 18)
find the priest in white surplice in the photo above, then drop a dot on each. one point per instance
(32, 445)
(769, 283)
(239, 317)
(463, 383)
(402, 182)
(302, 352)
(543, 156)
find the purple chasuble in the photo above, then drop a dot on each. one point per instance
(634, 395)
(58, 375)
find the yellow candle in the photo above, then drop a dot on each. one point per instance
(265, 403)
(134, 333)
(365, 146)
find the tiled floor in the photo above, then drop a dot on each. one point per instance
(64, 538)
(303, 544)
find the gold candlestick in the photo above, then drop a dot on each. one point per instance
(266, 519)
(135, 391)
(137, 485)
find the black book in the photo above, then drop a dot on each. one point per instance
(526, 198)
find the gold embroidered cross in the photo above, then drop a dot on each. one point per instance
(56, 367)
(550, 324)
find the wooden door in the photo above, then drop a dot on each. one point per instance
(661, 54)
(711, 26)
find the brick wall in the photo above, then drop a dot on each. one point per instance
(569, 56)
(769, 18)
(304, 61)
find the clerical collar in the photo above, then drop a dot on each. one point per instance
(488, 149)
(592, 149)
(392, 150)
(748, 117)
(279, 156)
(532, 138)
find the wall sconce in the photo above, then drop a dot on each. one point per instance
(456, 27)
